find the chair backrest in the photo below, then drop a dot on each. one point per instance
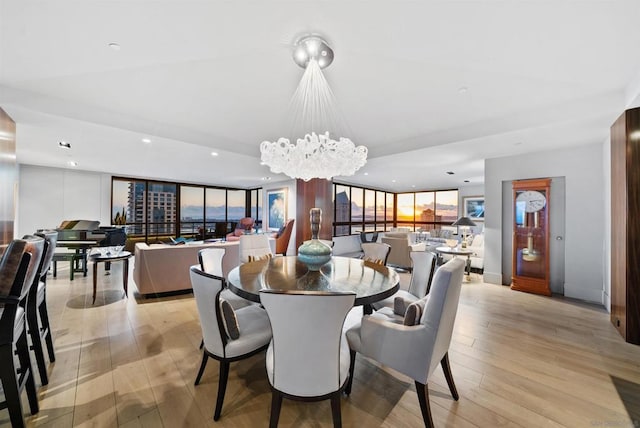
(376, 252)
(51, 236)
(246, 223)
(206, 290)
(440, 311)
(36, 247)
(114, 237)
(211, 260)
(306, 352)
(10, 265)
(284, 235)
(423, 263)
(253, 245)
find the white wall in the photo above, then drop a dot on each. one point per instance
(290, 185)
(463, 192)
(50, 195)
(583, 170)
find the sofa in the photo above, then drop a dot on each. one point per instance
(160, 268)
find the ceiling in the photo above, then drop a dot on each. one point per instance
(428, 87)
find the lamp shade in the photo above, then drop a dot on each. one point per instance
(463, 221)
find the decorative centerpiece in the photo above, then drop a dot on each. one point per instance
(314, 253)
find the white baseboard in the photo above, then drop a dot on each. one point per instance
(593, 295)
(492, 278)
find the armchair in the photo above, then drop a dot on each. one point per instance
(245, 225)
(283, 236)
(401, 247)
(415, 346)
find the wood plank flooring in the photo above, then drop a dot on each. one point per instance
(517, 359)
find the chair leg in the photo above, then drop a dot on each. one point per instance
(36, 344)
(46, 328)
(22, 348)
(10, 386)
(201, 344)
(222, 387)
(205, 357)
(347, 389)
(447, 374)
(423, 398)
(276, 404)
(336, 411)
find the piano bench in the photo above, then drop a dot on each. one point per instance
(72, 257)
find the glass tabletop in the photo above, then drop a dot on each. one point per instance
(370, 281)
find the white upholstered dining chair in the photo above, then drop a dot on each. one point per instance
(253, 247)
(307, 360)
(423, 263)
(416, 343)
(229, 335)
(375, 252)
(211, 262)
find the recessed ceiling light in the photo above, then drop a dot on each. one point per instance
(72, 163)
(393, 181)
(114, 46)
(64, 145)
(146, 140)
(450, 172)
(266, 178)
(366, 173)
(263, 163)
(413, 185)
(214, 154)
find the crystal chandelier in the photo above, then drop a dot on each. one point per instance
(317, 154)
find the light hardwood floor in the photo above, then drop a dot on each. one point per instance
(517, 359)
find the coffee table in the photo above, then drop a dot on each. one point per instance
(100, 256)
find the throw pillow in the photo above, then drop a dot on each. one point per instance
(414, 312)
(260, 258)
(229, 320)
(400, 306)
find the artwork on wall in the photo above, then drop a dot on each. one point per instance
(277, 205)
(473, 207)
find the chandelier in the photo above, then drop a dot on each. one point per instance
(317, 154)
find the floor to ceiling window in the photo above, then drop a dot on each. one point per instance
(360, 209)
(158, 210)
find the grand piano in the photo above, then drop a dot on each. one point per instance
(77, 237)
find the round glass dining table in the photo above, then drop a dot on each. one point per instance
(370, 281)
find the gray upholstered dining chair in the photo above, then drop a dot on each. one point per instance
(229, 335)
(423, 263)
(253, 247)
(307, 360)
(416, 343)
(18, 268)
(376, 252)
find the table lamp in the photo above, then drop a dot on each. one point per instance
(464, 223)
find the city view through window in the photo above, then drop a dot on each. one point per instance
(163, 209)
(358, 209)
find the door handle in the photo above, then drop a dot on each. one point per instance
(558, 238)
